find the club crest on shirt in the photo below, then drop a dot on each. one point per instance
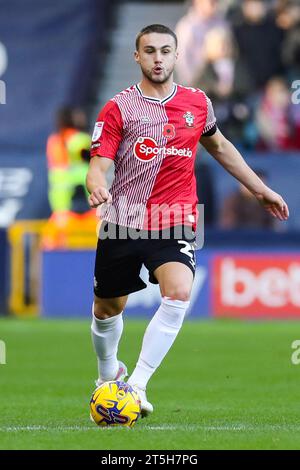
(169, 131)
(189, 119)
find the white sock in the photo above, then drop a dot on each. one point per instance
(158, 339)
(106, 335)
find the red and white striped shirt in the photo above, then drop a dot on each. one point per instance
(153, 144)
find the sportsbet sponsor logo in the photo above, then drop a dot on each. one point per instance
(256, 285)
(146, 149)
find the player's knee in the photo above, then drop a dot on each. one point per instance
(104, 309)
(173, 311)
(178, 293)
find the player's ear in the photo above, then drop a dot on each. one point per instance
(136, 57)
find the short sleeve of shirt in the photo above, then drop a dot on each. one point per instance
(107, 133)
(211, 122)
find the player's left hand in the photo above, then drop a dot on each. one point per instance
(274, 204)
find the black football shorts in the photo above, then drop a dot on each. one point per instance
(121, 254)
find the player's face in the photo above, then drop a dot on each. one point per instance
(157, 56)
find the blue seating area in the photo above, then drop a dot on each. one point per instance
(51, 62)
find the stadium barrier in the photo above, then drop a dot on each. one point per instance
(24, 238)
(52, 266)
(4, 271)
(228, 283)
(27, 238)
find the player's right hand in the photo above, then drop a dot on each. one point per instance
(99, 196)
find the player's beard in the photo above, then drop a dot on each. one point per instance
(162, 78)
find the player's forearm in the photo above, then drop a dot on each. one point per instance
(96, 176)
(231, 159)
(94, 179)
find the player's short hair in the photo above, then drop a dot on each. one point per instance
(155, 28)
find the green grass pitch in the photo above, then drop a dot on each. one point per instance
(224, 385)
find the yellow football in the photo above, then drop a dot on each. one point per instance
(115, 403)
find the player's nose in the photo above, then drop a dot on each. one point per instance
(158, 58)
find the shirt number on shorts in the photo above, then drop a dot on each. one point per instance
(188, 250)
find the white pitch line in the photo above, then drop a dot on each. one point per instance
(238, 427)
(44, 428)
(192, 427)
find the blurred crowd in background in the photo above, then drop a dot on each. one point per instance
(245, 55)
